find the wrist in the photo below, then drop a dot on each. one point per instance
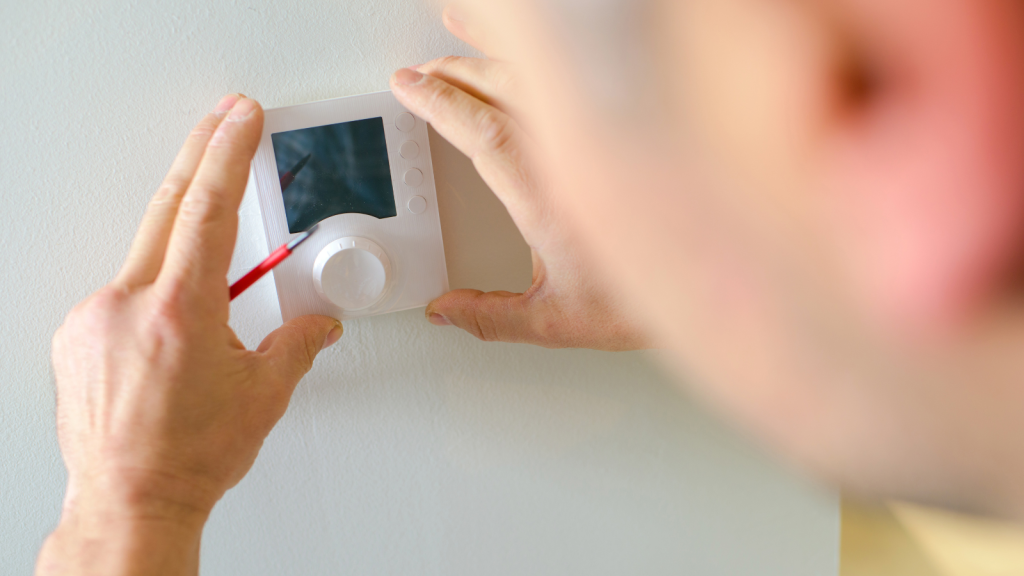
(89, 545)
(128, 497)
(120, 528)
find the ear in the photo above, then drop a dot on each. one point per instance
(927, 172)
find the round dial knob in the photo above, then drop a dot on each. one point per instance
(352, 273)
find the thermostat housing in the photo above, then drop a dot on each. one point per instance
(361, 168)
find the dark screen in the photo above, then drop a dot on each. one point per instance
(336, 169)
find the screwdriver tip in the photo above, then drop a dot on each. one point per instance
(303, 237)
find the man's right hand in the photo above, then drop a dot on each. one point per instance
(471, 103)
(160, 408)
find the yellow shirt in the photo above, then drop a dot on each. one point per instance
(902, 539)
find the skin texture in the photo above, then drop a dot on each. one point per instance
(471, 103)
(814, 206)
(160, 408)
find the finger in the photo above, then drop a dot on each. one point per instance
(290, 350)
(203, 237)
(147, 251)
(490, 138)
(523, 319)
(486, 80)
(490, 316)
(457, 19)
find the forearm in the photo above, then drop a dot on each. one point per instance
(116, 541)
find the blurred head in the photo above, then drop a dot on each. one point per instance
(817, 207)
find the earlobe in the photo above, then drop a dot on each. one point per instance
(927, 181)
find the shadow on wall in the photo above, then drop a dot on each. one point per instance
(482, 246)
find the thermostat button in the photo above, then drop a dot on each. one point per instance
(417, 205)
(352, 273)
(410, 150)
(405, 122)
(414, 177)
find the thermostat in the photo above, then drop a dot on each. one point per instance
(359, 167)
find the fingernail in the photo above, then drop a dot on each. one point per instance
(438, 320)
(333, 336)
(242, 110)
(408, 77)
(226, 103)
(455, 13)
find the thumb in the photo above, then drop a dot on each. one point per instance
(291, 349)
(491, 316)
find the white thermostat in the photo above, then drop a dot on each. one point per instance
(360, 168)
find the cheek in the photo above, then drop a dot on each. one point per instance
(928, 235)
(926, 186)
(677, 204)
(751, 80)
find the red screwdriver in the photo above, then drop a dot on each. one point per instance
(275, 258)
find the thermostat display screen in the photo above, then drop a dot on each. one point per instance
(336, 169)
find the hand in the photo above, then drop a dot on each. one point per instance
(471, 102)
(160, 408)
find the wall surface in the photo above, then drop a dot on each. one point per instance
(409, 449)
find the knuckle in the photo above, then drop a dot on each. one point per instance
(170, 304)
(168, 195)
(223, 138)
(482, 326)
(311, 349)
(159, 340)
(496, 131)
(173, 298)
(300, 348)
(105, 301)
(304, 348)
(93, 316)
(203, 131)
(448, 62)
(203, 205)
(439, 95)
(164, 330)
(229, 134)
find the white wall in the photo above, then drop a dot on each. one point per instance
(410, 449)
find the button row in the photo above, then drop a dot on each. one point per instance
(405, 122)
(410, 150)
